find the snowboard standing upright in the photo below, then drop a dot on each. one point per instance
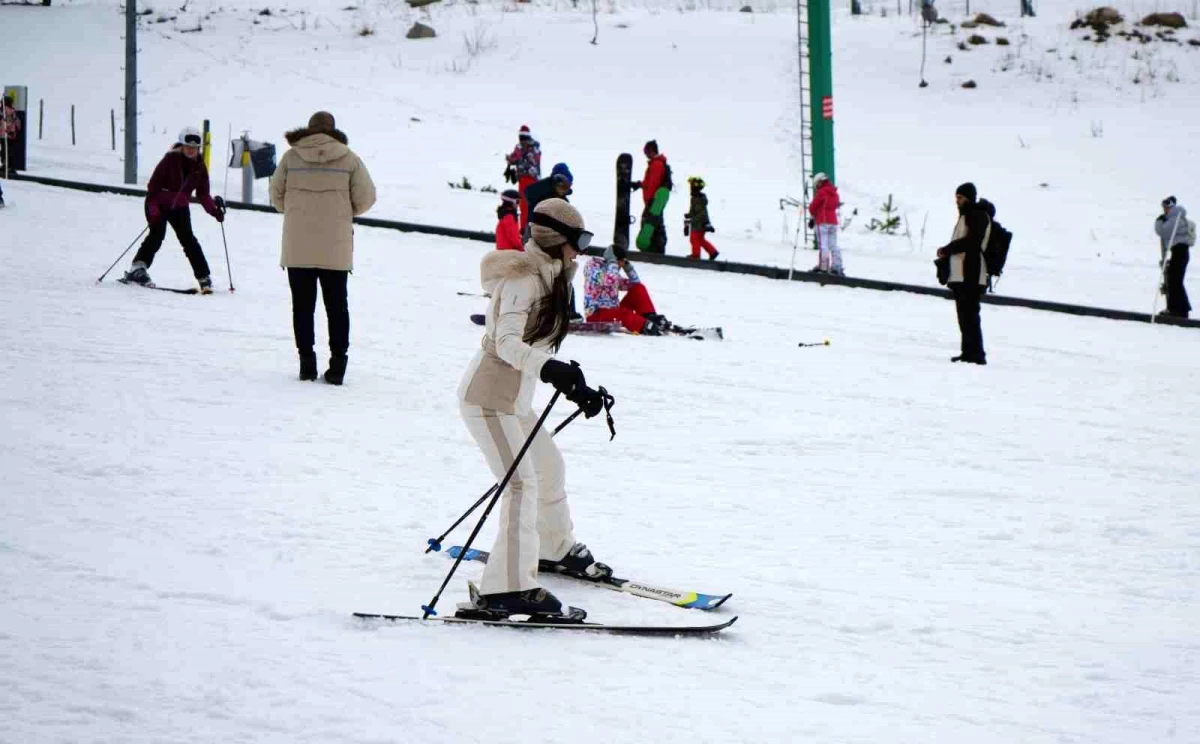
(623, 219)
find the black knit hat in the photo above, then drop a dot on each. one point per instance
(967, 190)
(651, 145)
(1169, 201)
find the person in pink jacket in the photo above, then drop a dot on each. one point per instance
(824, 218)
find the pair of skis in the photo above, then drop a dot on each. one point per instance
(715, 333)
(687, 599)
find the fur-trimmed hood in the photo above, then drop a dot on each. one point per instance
(318, 146)
(498, 266)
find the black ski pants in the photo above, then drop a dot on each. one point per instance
(304, 305)
(1177, 297)
(966, 303)
(181, 221)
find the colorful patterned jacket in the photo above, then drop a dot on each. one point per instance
(603, 283)
(528, 159)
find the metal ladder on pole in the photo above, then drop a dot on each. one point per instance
(806, 139)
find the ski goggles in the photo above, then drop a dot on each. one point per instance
(579, 238)
(191, 140)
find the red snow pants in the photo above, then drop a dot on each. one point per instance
(523, 183)
(698, 242)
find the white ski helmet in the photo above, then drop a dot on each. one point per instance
(190, 136)
(819, 178)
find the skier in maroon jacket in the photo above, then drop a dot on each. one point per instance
(178, 174)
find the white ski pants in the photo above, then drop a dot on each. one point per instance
(830, 257)
(535, 521)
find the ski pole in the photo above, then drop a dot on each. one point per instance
(435, 543)
(114, 263)
(228, 270)
(429, 608)
(823, 343)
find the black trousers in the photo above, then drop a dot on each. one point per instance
(304, 305)
(1177, 298)
(181, 221)
(966, 303)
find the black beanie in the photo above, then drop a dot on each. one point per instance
(967, 190)
(1169, 201)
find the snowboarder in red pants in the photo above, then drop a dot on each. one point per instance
(524, 168)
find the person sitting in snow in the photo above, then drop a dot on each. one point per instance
(508, 234)
(602, 303)
(696, 223)
(524, 168)
(178, 174)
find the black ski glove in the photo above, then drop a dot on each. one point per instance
(635, 185)
(812, 223)
(686, 229)
(709, 228)
(566, 378)
(591, 401)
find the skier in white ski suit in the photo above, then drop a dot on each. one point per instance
(526, 321)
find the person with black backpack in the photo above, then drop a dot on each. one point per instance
(656, 188)
(968, 276)
(995, 253)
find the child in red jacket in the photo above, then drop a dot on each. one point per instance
(823, 209)
(508, 233)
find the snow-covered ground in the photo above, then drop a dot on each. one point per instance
(919, 551)
(1076, 143)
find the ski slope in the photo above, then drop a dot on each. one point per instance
(1076, 143)
(919, 551)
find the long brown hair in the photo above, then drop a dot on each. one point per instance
(553, 311)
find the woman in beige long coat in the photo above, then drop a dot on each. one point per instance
(527, 320)
(320, 186)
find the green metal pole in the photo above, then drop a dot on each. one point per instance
(820, 57)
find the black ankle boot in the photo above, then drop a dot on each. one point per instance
(337, 370)
(308, 365)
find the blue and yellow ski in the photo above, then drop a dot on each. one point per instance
(690, 600)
